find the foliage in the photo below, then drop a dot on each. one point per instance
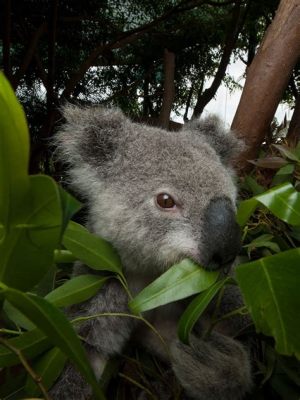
(38, 233)
(112, 53)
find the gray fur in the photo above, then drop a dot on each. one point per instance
(119, 167)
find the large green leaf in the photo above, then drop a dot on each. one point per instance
(180, 281)
(270, 287)
(27, 250)
(30, 344)
(196, 308)
(48, 368)
(14, 153)
(54, 324)
(97, 253)
(76, 290)
(283, 201)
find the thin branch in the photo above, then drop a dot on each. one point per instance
(36, 378)
(237, 22)
(169, 89)
(51, 54)
(29, 54)
(6, 38)
(124, 315)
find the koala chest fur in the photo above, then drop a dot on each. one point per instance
(158, 197)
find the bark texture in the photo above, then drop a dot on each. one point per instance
(267, 78)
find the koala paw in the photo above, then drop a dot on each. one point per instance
(217, 368)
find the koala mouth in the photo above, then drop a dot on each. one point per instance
(217, 264)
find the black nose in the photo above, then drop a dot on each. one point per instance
(222, 234)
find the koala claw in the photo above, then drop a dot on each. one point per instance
(217, 368)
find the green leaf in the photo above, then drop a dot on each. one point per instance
(251, 184)
(269, 162)
(14, 153)
(70, 206)
(270, 287)
(286, 170)
(27, 250)
(54, 324)
(76, 290)
(287, 152)
(30, 343)
(283, 201)
(92, 250)
(263, 241)
(180, 281)
(64, 256)
(17, 317)
(48, 368)
(196, 308)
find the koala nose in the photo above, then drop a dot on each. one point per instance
(222, 234)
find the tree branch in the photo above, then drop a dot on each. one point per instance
(6, 38)
(237, 22)
(29, 54)
(131, 36)
(169, 89)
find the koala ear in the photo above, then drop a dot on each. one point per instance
(89, 134)
(222, 140)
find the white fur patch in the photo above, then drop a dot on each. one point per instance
(175, 244)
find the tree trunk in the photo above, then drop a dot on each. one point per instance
(169, 89)
(293, 135)
(6, 20)
(267, 78)
(230, 41)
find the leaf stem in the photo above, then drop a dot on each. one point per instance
(36, 378)
(125, 315)
(238, 311)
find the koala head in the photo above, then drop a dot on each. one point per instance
(157, 196)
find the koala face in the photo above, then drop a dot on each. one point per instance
(157, 196)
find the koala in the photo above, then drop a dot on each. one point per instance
(158, 197)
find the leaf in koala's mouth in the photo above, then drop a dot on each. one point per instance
(180, 281)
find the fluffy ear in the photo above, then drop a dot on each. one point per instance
(89, 134)
(223, 140)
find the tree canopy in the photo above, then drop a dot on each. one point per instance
(118, 53)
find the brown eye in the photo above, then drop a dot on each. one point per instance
(164, 200)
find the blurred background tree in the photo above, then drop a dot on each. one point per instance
(149, 58)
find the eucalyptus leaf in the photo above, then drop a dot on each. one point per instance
(196, 308)
(17, 317)
(70, 206)
(60, 332)
(27, 251)
(64, 256)
(251, 184)
(270, 287)
(14, 153)
(92, 250)
(287, 152)
(30, 343)
(76, 290)
(180, 281)
(283, 201)
(270, 162)
(48, 368)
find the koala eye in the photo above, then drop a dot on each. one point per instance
(164, 200)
